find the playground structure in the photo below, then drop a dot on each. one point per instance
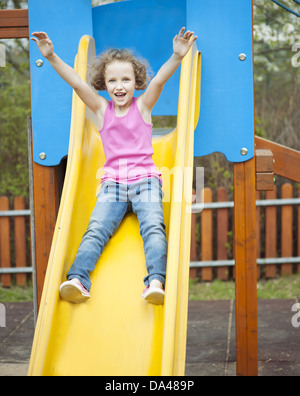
(226, 124)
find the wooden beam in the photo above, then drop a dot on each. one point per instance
(46, 203)
(14, 24)
(264, 170)
(287, 160)
(245, 268)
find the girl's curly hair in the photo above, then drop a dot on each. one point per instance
(140, 67)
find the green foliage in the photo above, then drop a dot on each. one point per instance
(258, 128)
(277, 79)
(277, 87)
(16, 294)
(15, 108)
(281, 288)
(13, 4)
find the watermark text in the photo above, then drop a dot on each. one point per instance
(2, 55)
(176, 185)
(2, 315)
(296, 317)
(296, 57)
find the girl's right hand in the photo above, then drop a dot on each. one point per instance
(44, 43)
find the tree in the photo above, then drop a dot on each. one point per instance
(277, 87)
(15, 108)
(277, 81)
(13, 4)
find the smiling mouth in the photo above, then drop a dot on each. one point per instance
(120, 95)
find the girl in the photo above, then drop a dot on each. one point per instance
(130, 174)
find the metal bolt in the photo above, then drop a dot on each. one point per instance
(244, 151)
(43, 156)
(243, 57)
(39, 63)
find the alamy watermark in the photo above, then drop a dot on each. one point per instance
(296, 317)
(296, 57)
(176, 185)
(2, 55)
(2, 315)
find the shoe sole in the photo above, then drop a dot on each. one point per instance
(72, 293)
(154, 296)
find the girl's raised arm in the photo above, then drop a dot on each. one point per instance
(181, 45)
(95, 102)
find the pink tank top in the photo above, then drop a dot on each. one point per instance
(127, 143)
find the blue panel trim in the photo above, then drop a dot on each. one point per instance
(147, 27)
(226, 121)
(66, 22)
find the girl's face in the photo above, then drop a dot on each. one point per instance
(120, 83)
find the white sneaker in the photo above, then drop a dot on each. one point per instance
(154, 295)
(73, 291)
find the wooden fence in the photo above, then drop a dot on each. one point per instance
(14, 244)
(278, 238)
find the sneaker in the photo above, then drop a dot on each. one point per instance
(154, 295)
(73, 291)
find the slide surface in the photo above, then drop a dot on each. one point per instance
(116, 332)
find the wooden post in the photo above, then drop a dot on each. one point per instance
(20, 240)
(222, 234)
(287, 229)
(258, 233)
(5, 257)
(46, 203)
(193, 253)
(46, 194)
(207, 237)
(245, 268)
(271, 234)
(264, 170)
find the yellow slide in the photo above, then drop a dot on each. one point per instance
(116, 332)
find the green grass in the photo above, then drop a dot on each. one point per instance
(281, 288)
(16, 294)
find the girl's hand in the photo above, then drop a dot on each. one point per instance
(183, 42)
(44, 43)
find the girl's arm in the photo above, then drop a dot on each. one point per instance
(83, 90)
(181, 45)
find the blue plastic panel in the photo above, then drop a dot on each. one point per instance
(226, 121)
(147, 27)
(66, 22)
(224, 28)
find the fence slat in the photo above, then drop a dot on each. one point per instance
(287, 229)
(20, 240)
(222, 234)
(271, 234)
(298, 230)
(5, 257)
(208, 231)
(207, 236)
(193, 271)
(258, 232)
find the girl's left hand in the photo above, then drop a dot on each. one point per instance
(183, 42)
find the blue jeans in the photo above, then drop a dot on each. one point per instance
(115, 200)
